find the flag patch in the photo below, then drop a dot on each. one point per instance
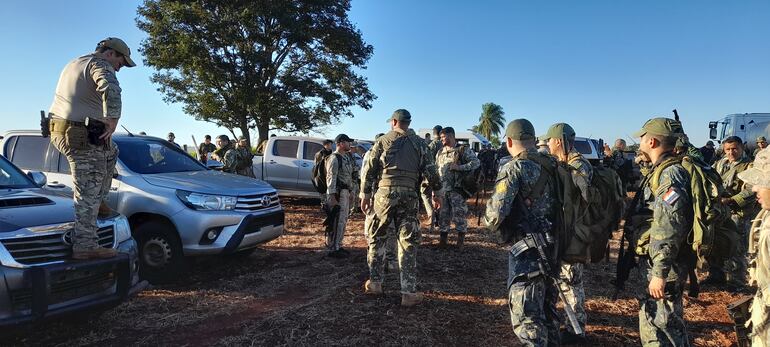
(671, 196)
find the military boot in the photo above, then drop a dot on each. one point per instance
(373, 288)
(411, 299)
(442, 240)
(96, 253)
(460, 240)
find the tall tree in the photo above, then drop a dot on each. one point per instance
(491, 121)
(288, 65)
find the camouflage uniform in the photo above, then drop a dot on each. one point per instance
(390, 251)
(531, 299)
(453, 205)
(87, 88)
(743, 209)
(398, 161)
(229, 157)
(571, 274)
(244, 154)
(433, 148)
(339, 179)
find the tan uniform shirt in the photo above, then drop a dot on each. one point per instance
(87, 88)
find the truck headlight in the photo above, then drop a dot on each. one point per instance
(122, 229)
(206, 202)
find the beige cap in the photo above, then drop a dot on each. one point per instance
(759, 173)
(119, 46)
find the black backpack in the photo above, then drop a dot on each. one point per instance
(319, 170)
(471, 180)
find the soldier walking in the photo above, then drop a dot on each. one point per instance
(453, 162)
(561, 144)
(339, 180)
(88, 97)
(527, 186)
(400, 159)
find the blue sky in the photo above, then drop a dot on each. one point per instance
(602, 66)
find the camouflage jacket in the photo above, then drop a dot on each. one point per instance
(399, 158)
(583, 174)
(616, 160)
(759, 247)
(672, 218)
(434, 147)
(460, 155)
(738, 191)
(229, 159)
(339, 176)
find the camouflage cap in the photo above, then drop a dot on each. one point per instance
(761, 139)
(520, 130)
(759, 173)
(662, 127)
(119, 46)
(558, 130)
(401, 115)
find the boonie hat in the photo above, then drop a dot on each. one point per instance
(558, 130)
(661, 127)
(520, 130)
(119, 46)
(759, 174)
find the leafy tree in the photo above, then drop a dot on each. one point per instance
(491, 120)
(494, 140)
(288, 65)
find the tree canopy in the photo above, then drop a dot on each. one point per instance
(288, 65)
(491, 121)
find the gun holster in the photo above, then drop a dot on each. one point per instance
(95, 130)
(45, 125)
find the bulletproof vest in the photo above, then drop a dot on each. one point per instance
(76, 97)
(400, 161)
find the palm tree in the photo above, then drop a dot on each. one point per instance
(491, 121)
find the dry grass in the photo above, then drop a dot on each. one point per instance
(288, 293)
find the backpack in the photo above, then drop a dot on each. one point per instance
(714, 237)
(471, 180)
(319, 170)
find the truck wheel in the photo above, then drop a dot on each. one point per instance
(160, 252)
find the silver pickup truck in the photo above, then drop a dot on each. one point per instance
(176, 206)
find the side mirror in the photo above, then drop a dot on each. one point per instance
(38, 177)
(713, 133)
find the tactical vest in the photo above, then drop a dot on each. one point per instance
(400, 160)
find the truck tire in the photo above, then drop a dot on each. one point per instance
(160, 253)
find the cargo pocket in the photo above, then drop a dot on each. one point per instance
(76, 138)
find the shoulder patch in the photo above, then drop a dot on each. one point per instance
(671, 196)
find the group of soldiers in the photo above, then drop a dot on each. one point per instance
(236, 157)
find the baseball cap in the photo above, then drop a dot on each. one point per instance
(171, 134)
(520, 129)
(759, 173)
(401, 115)
(342, 138)
(558, 130)
(437, 128)
(119, 46)
(661, 127)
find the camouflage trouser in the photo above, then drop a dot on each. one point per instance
(248, 172)
(532, 304)
(734, 270)
(334, 238)
(390, 249)
(661, 322)
(760, 321)
(454, 209)
(92, 168)
(427, 202)
(397, 205)
(571, 285)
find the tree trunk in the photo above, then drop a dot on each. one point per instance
(263, 128)
(245, 131)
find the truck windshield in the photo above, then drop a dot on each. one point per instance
(11, 177)
(149, 156)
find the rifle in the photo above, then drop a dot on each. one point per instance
(739, 313)
(45, 124)
(537, 239)
(483, 192)
(627, 256)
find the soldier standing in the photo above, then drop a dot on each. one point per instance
(561, 144)
(400, 159)
(390, 252)
(339, 180)
(88, 91)
(759, 178)
(617, 161)
(663, 248)
(453, 162)
(205, 148)
(743, 208)
(226, 154)
(433, 148)
(761, 144)
(532, 294)
(245, 158)
(170, 138)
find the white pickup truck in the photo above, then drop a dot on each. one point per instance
(287, 163)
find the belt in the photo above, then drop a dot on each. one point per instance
(67, 121)
(60, 126)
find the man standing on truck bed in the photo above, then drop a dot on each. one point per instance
(400, 159)
(339, 180)
(84, 114)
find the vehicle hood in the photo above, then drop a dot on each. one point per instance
(58, 209)
(209, 182)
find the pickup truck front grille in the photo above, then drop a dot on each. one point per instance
(67, 286)
(251, 203)
(32, 250)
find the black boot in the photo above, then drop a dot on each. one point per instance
(460, 240)
(442, 240)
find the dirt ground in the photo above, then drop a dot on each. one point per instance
(288, 293)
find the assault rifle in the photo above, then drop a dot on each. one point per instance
(627, 256)
(739, 312)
